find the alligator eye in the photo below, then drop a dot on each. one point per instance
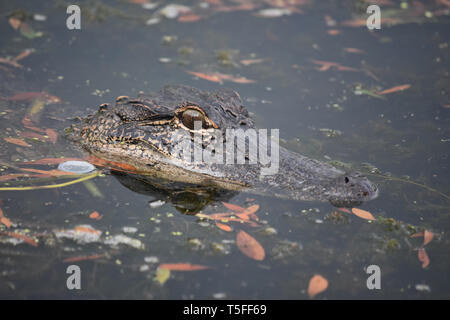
(190, 116)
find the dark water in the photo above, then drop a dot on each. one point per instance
(401, 143)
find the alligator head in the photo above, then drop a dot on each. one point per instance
(153, 131)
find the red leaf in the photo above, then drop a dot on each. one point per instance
(233, 207)
(427, 237)
(26, 239)
(395, 89)
(317, 284)
(15, 23)
(423, 257)
(52, 135)
(224, 227)
(249, 246)
(18, 142)
(83, 258)
(182, 266)
(363, 214)
(6, 222)
(95, 215)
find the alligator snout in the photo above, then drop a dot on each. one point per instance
(352, 189)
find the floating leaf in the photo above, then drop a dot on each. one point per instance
(209, 77)
(52, 135)
(249, 246)
(86, 230)
(23, 55)
(233, 207)
(15, 23)
(18, 142)
(182, 267)
(224, 227)
(427, 237)
(26, 239)
(250, 211)
(344, 210)
(32, 135)
(363, 214)
(95, 215)
(317, 284)
(423, 257)
(6, 222)
(395, 89)
(113, 165)
(418, 234)
(353, 50)
(248, 62)
(24, 96)
(162, 275)
(83, 258)
(189, 18)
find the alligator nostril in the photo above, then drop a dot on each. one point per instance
(346, 180)
(365, 193)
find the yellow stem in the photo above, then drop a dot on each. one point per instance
(51, 186)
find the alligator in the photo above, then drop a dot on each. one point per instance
(144, 133)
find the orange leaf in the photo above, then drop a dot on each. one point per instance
(353, 50)
(423, 257)
(418, 234)
(22, 55)
(363, 214)
(16, 141)
(31, 135)
(189, 18)
(95, 215)
(86, 229)
(26, 239)
(52, 135)
(241, 80)
(247, 62)
(250, 211)
(344, 210)
(24, 96)
(427, 237)
(15, 23)
(333, 32)
(209, 77)
(249, 246)
(6, 222)
(83, 258)
(233, 207)
(224, 227)
(113, 165)
(317, 284)
(243, 216)
(395, 89)
(182, 266)
(1, 212)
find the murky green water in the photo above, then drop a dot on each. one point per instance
(400, 140)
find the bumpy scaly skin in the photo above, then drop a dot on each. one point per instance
(141, 131)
